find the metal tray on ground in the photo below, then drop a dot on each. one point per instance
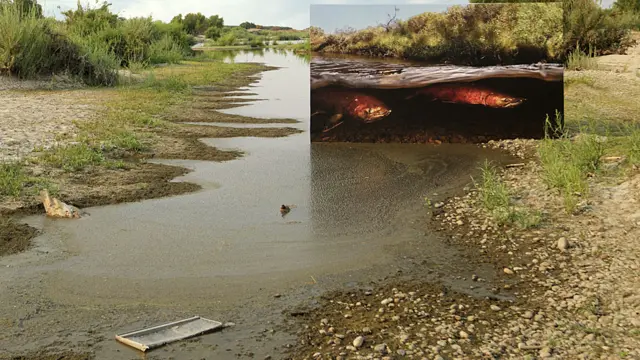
(146, 339)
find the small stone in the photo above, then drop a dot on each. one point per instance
(381, 348)
(404, 338)
(366, 330)
(438, 357)
(277, 296)
(563, 244)
(386, 301)
(401, 352)
(317, 355)
(528, 315)
(324, 322)
(358, 342)
(508, 271)
(464, 335)
(545, 353)
(474, 277)
(495, 308)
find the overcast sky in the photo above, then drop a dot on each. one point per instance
(294, 13)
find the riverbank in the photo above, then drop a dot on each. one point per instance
(567, 252)
(88, 146)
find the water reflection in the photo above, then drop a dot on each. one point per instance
(251, 55)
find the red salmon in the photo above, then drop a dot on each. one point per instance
(469, 94)
(341, 102)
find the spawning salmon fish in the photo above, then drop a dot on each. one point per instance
(340, 102)
(469, 94)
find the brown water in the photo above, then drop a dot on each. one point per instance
(225, 251)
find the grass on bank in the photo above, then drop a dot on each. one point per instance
(498, 201)
(14, 181)
(486, 34)
(567, 162)
(124, 127)
(579, 60)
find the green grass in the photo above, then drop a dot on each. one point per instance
(12, 179)
(579, 60)
(567, 162)
(74, 157)
(580, 80)
(497, 199)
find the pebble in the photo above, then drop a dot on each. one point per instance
(358, 342)
(386, 301)
(545, 353)
(528, 315)
(495, 308)
(381, 348)
(508, 271)
(563, 244)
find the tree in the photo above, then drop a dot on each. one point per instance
(177, 19)
(86, 20)
(392, 20)
(216, 21)
(248, 25)
(627, 5)
(195, 24)
(26, 7)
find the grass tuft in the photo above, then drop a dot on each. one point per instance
(496, 198)
(579, 60)
(567, 162)
(74, 157)
(12, 179)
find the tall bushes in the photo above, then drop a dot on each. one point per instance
(91, 43)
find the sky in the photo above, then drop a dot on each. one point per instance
(293, 13)
(334, 17)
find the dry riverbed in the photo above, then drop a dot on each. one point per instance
(42, 129)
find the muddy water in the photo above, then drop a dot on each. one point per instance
(224, 252)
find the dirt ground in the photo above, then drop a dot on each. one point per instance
(628, 63)
(14, 238)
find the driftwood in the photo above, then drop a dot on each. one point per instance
(397, 74)
(56, 208)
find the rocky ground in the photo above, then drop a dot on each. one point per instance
(37, 119)
(575, 281)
